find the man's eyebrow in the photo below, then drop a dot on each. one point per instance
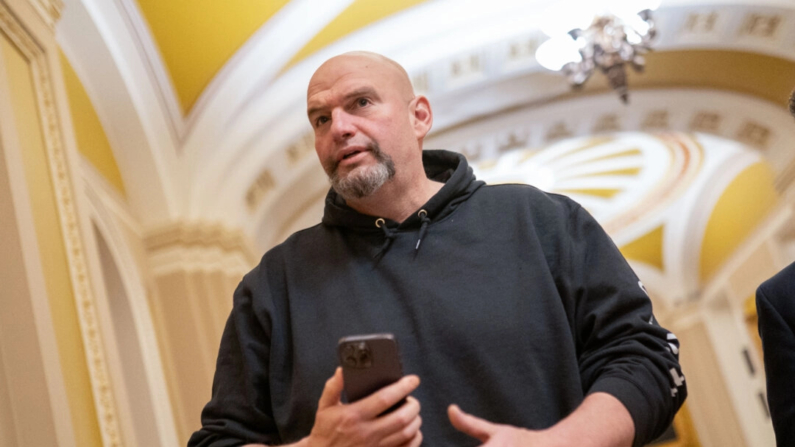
(312, 110)
(364, 91)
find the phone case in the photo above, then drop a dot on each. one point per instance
(369, 363)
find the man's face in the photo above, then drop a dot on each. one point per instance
(359, 109)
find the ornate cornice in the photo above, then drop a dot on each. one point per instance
(16, 33)
(198, 235)
(67, 211)
(49, 10)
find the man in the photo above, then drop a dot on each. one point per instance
(508, 303)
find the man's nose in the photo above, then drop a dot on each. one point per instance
(342, 125)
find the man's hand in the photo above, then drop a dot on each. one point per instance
(496, 435)
(358, 424)
(600, 421)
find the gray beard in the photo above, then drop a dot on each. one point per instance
(362, 182)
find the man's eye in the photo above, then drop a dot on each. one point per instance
(321, 120)
(362, 102)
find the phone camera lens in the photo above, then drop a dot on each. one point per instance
(364, 356)
(357, 355)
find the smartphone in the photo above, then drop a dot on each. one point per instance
(369, 363)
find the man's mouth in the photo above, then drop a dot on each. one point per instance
(347, 156)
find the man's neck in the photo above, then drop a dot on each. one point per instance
(395, 202)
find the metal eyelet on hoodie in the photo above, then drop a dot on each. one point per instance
(389, 235)
(423, 215)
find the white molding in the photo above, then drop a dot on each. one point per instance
(111, 199)
(142, 37)
(107, 216)
(126, 99)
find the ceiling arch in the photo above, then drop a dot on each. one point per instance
(247, 136)
(195, 38)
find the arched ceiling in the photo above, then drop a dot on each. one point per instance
(196, 38)
(203, 101)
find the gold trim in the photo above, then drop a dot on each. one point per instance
(67, 213)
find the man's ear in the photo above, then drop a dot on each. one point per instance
(421, 116)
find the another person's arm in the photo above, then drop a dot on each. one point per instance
(777, 331)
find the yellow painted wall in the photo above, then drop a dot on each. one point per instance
(51, 245)
(197, 37)
(358, 15)
(744, 204)
(91, 139)
(647, 248)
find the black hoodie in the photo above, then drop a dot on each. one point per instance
(508, 301)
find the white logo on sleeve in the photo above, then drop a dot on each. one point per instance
(678, 381)
(673, 346)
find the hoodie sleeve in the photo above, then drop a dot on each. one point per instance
(240, 409)
(621, 348)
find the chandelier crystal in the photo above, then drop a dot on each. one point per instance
(584, 38)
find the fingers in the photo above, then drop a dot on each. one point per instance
(404, 436)
(417, 441)
(400, 426)
(473, 426)
(332, 391)
(399, 418)
(383, 399)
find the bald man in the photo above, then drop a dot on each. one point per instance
(508, 303)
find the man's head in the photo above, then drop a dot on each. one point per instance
(368, 123)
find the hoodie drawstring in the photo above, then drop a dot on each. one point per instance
(389, 235)
(423, 215)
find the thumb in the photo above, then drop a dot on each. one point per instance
(332, 391)
(470, 425)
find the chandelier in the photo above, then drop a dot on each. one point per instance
(585, 37)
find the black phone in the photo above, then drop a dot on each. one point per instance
(369, 363)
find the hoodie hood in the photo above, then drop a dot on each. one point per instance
(447, 167)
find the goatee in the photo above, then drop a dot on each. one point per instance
(366, 180)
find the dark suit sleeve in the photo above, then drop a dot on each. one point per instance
(240, 409)
(778, 344)
(622, 350)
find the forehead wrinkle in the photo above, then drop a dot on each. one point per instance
(362, 63)
(361, 91)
